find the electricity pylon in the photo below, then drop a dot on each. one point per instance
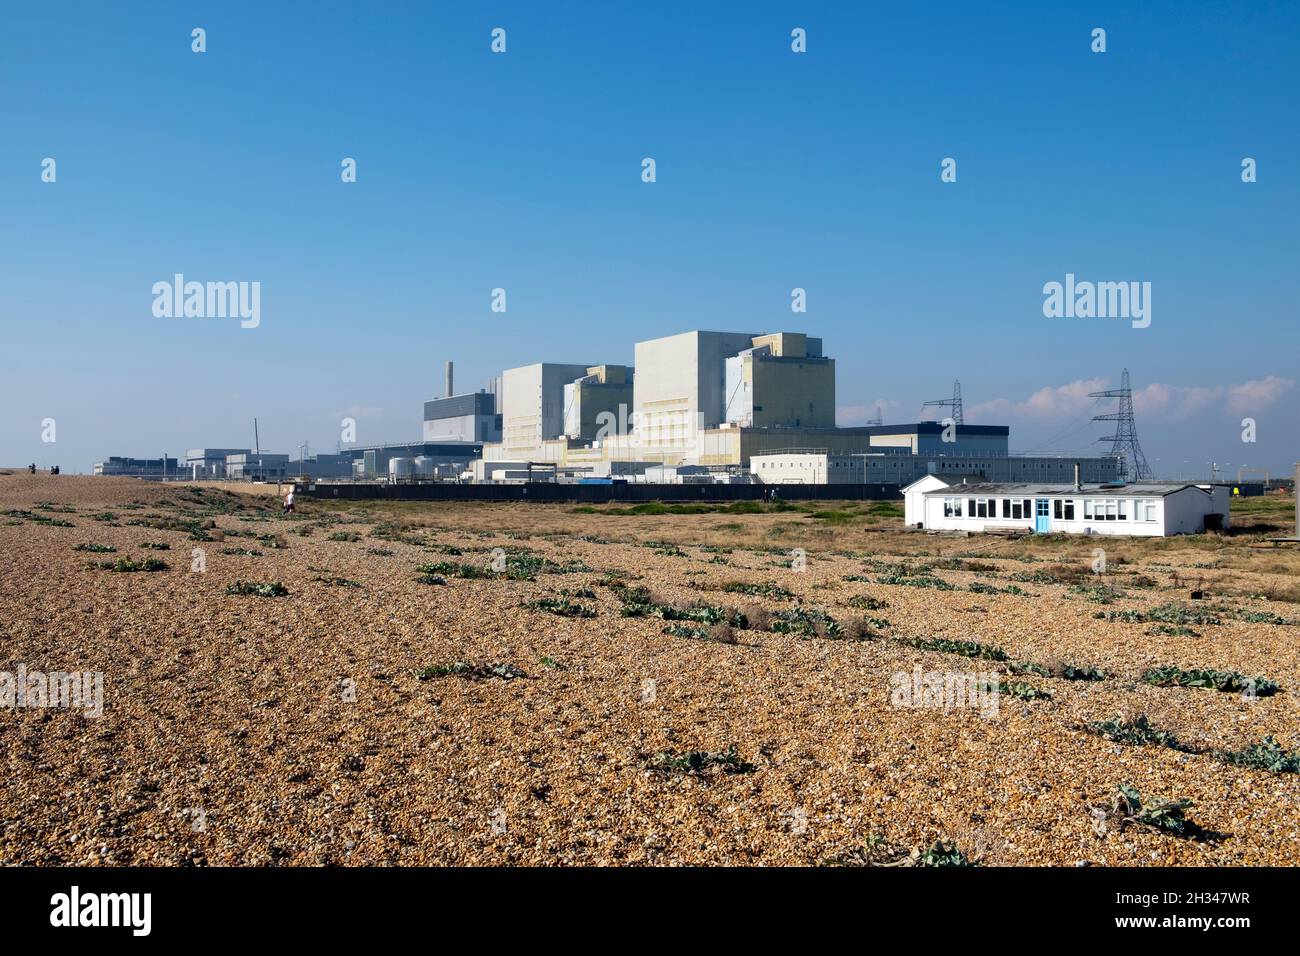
(1124, 443)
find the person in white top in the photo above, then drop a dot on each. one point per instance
(288, 502)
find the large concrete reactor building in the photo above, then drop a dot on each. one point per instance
(781, 380)
(598, 401)
(532, 406)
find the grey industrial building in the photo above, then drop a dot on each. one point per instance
(137, 467)
(209, 462)
(472, 417)
(372, 461)
(258, 466)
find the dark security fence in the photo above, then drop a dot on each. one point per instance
(596, 494)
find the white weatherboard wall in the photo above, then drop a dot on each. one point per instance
(1153, 515)
(914, 499)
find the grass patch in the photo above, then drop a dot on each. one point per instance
(95, 548)
(833, 517)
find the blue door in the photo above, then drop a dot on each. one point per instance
(1042, 516)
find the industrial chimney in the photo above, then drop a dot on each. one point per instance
(1077, 485)
(449, 390)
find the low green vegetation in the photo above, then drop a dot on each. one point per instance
(1226, 681)
(964, 648)
(979, 587)
(637, 602)
(95, 548)
(1171, 630)
(1170, 613)
(919, 581)
(1168, 816)
(1268, 755)
(700, 761)
(561, 606)
(1135, 733)
(453, 569)
(766, 589)
(805, 622)
(265, 589)
(1098, 593)
(1262, 617)
(1022, 691)
(124, 565)
(1071, 672)
(660, 508)
(337, 582)
(471, 671)
(941, 854)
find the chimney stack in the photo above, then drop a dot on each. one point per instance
(1077, 485)
(449, 390)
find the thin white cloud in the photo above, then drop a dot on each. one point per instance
(1258, 393)
(359, 412)
(1045, 404)
(1156, 402)
(849, 416)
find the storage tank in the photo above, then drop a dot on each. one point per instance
(400, 468)
(424, 467)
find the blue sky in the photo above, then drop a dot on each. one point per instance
(522, 171)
